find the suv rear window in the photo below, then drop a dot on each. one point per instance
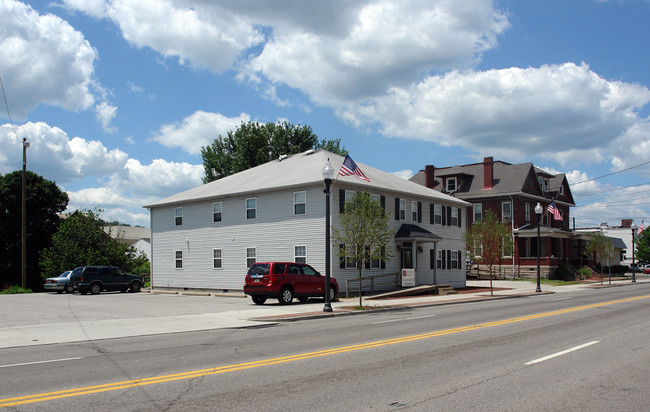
(259, 269)
(278, 268)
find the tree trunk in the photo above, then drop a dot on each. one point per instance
(360, 300)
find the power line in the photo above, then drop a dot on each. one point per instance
(7, 106)
(610, 174)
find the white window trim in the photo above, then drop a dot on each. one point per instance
(220, 211)
(254, 257)
(448, 183)
(527, 212)
(295, 203)
(177, 259)
(414, 211)
(176, 216)
(437, 212)
(454, 219)
(296, 256)
(402, 209)
(347, 259)
(214, 259)
(250, 208)
(503, 215)
(454, 259)
(479, 205)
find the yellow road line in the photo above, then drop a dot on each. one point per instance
(21, 400)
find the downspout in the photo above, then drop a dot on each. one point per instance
(512, 232)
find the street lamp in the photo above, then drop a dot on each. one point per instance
(633, 227)
(328, 175)
(23, 234)
(538, 212)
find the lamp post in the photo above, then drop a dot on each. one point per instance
(23, 233)
(538, 212)
(633, 227)
(328, 175)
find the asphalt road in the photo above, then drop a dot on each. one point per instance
(583, 350)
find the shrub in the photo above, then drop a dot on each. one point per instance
(15, 289)
(585, 272)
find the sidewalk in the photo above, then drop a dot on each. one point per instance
(39, 319)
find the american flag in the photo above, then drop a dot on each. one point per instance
(350, 168)
(554, 211)
(641, 227)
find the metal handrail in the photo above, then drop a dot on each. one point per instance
(372, 278)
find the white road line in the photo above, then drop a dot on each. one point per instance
(39, 362)
(564, 352)
(399, 320)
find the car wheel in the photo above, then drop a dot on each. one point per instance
(69, 288)
(83, 291)
(286, 296)
(95, 288)
(303, 299)
(259, 300)
(59, 291)
(135, 287)
(332, 293)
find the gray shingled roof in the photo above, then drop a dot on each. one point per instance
(302, 169)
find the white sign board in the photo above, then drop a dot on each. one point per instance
(408, 277)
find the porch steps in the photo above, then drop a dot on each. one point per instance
(447, 291)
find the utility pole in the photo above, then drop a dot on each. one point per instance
(23, 236)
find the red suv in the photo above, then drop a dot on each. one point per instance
(286, 280)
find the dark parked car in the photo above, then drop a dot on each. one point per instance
(95, 279)
(284, 281)
(59, 283)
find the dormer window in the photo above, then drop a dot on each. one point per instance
(562, 189)
(451, 184)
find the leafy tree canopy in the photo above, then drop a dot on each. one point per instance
(81, 241)
(642, 243)
(44, 202)
(253, 144)
(365, 232)
(601, 248)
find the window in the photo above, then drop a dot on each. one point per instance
(376, 197)
(454, 259)
(478, 248)
(402, 209)
(506, 212)
(562, 216)
(545, 184)
(350, 262)
(299, 203)
(178, 216)
(300, 254)
(439, 259)
(251, 256)
(349, 194)
(217, 261)
(414, 211)
(437, 214)
(451, 184)
(478, 212)
(216, 212)
(179, 259)
(454, 216)
(561, 189)
(375, 263)
(251, 208)
(527, 212)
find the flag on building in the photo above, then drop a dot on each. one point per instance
(350, 168)
(552, 209)
(640, 227)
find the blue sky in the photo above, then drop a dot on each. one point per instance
(117, 97)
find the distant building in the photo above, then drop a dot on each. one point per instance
(138, 237)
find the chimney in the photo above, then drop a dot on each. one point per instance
(429, 176)
(488, 172)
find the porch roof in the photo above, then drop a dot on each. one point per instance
(410, 232)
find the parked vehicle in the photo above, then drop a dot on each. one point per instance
(95, 279)
(286, 280)
(60, 283)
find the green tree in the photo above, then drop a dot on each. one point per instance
(365, 232)
(253, 144)
(601, 248)
(489, 240)
(81, 241)
(44, 202)
(642, 244)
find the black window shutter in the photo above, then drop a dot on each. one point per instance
(397, 208)
(382, 201)
(460, 217)
(432, 211)
(419, 212)
(341, 201)
(383, 252)
(342, 261)
(460, 260)
(449, 216)
(449, 259)
(444, 261)
(432, 258)
(444, 215)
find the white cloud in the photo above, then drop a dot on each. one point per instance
(43, 60)
(404, 174)
(105, 114)
(197, 130)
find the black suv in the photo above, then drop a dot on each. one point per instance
(95, 279)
